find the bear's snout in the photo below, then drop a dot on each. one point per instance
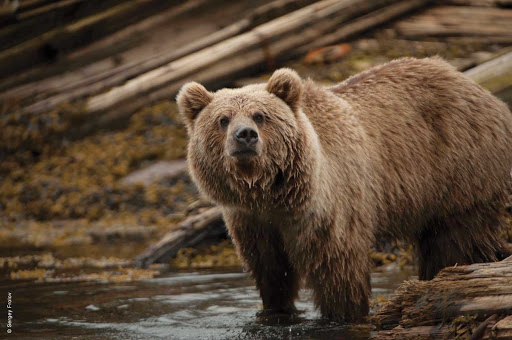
(246, 136)
(244, 143)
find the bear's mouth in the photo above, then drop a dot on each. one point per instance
(244, 154)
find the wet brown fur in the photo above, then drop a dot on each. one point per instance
(411, 149)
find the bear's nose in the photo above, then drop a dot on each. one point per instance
(246, 135)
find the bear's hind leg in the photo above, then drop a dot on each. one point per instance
(262, 251)
(473, 236)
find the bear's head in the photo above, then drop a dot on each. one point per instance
(246, 145)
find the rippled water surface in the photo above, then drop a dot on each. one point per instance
(193, 305)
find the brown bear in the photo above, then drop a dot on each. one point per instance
(309, 176)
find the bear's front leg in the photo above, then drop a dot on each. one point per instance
(341, 297)
(339, 274)
(260, 247)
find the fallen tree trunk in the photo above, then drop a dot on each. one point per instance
(366, 22)
(237, 65)
(322, 17)
(458, 21)
(190, 233)
(491, 69)
(457, 301)
(49, 45)
(42, 19)
(477, 3)
(104, 48)
(97, 83)
(226, 69)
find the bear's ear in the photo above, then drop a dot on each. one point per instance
(286, 84)
(191, 99)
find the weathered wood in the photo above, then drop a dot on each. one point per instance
(475, 291)
(97, 83)
(189, 233)
(27, 5)
(416, 333)
(323, 16)
(491, 69)
(477, 3)
(365, 23)
(48, 46)
(502, 330)
(225, 70)
(458, 21)
(41, 19)
(155, 172)
(106, 47)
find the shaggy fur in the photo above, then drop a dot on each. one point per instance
(411, 149)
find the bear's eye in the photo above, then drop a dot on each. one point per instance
(258, 118)
(224, 121)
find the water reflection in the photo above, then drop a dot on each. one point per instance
(198, 305)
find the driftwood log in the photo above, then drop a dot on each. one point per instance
(471, 300)
(49, 45)
(191, 232)
(228, 68)
(364, 23)
(101, 82)
(261, 44)
(278, 23)
(491, 69)
(30, 23)
(38, 80)
(477, 3)
(446, 21)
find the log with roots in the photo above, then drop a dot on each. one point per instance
(472, 300)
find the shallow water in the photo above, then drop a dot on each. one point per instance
(191, 305)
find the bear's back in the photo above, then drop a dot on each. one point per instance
(437, 141)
